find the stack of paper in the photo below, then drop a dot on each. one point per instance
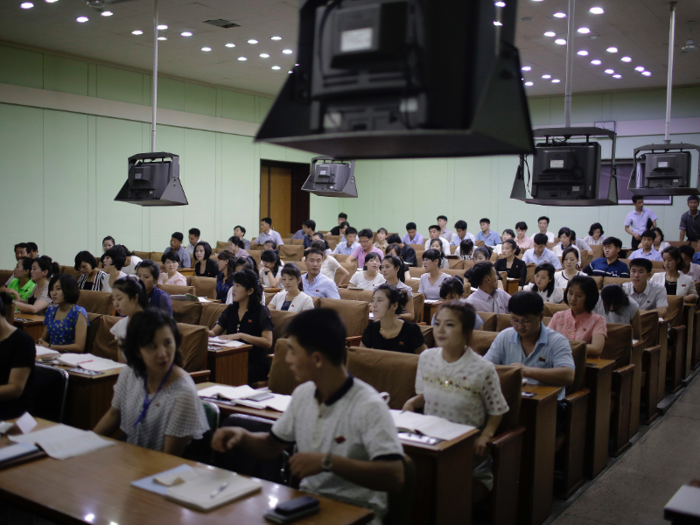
(224, 343)
(432, 426)
(89, 362)
(228, 392)
(46, 353)
(277, 402)
(62, 441)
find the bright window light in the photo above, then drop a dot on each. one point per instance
(596, 10)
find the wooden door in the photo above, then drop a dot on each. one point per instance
(275, 197)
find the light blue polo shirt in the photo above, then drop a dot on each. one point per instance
(342, 248)
(321, 287)
(492, 239)
(552, 350)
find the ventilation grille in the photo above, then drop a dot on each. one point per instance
(220, 22)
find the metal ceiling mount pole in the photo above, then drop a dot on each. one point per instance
(669, 80)
(569, 64)
(155, 78)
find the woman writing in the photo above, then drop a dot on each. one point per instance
(270, 269)
(148, 273)
(465, 250)
(391, 332)
(509, 263)
(131, 261)
(292, 298)
(65, 323)
(370, 277)
(676, 283)
(91, 277)
(21, 285)
(43, 268)
(544, 284)
(226, 262)
(155, 401)
(129, 298)
(433, 278)
(171, 261)
(112, 263)
(204, 266)
(569, 260)
(391, 269)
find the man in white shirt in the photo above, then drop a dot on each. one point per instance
(543, 225)
(347, 444)
(444, 232)
(489, 297)
(540, 253)
(267, 233)
(316, 284)
(649, 296)
(462, 234)
(638, 220)
(646, 248)
(691, 268)
(434, 231)
(349, 245)
(194, 235)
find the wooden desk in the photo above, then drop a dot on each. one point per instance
(512, 286)
(186, 272)
(229, 366)
(443, 472)
(539, 417)
(96, 488)
(429, 310)
(599, 382)
(32, 324)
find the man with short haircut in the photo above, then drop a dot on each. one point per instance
(638, 220)
(690, 220)
(692, 269)
(299, 234)
(488, 297)
(489, 237)
(444, 232)
(21, 251)
(350, 244)
(411, 236)
(194, 235)
(461, 234)
(543, 225)
(407, 252)
(347, 446)
(434, 231)
(610, 265)
(309, 227)
(239, 231)
(646, 248)
(267, 233)
(540, 254)
(314, 282)
(649, 296)
(32, 250)
(176, 247)
(342, 217)
(366, 237)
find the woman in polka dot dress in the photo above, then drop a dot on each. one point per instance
(65, 323)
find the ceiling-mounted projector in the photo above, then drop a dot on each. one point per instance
(153, 181)
(664, 169)
(331, 178)
(403, 79)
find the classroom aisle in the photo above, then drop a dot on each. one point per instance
(636, 488)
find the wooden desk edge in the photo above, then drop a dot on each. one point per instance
(229, 351)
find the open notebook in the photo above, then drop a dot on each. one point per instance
(240, 395)
(432, 426)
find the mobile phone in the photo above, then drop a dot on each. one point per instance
(296, 505)
(260, 397)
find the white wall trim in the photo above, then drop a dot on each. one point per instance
(639, 128)
(47, 99)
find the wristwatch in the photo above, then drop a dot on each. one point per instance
(327, 463)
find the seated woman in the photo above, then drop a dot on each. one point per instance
(569, 260)
(171, 261)
(659, 243)
(292, 298)
(155, 401)
(388, 332)
(456, 383)
(330, 264)
(148, 272)
(433, 278)
(131, 262)
(43, 269)
(566, 240)
(514, 267)
(112, 263)
(226, 262)
(615, 306)
(248, 320)
(391, 269)
(269, 245)
(20, 286)
(270, 269)
(436, 244)
(242, 263)
(595, 235)
(318, 236)
(580, 323)
(204, 266)
(91, 277)
(381, 243)
(65, 323)
(395, 249)
(507, 234)
(523, 241)
(129, 298)
(481, 254)
(236, 247)
(465, 250)
(18, 353)
(369, 278)
(676, 283)
(107, 243)
(544, 284)
(453, 290)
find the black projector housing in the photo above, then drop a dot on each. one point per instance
(153, 181)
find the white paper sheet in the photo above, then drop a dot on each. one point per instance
(432, 426)
(76, 359)
(42, 351)
(26, 423)
(68, 448)
(100, 365)
(224, 343)
(228, 392)
(54, 433)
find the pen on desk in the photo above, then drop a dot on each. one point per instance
(219, 490)
(81, 362)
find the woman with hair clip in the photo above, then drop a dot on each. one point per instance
(171, 276)
(65, 323)
(112, 262)
(675, 282)
(509, 263)
(204, 266)
(237, 247)
(247, 319)
(91, 277)
(615, 306)
(436, 244)
(43, 268)
(148, 272)
(129, 298)
(395, 249)
(595, 235)
(544, 284)
(227, 264)
(270, 269)
(20, 286)
(369, 278)
(131, 262)
(389, 332)
(569, 261)
(465, 250)
(433, 278)
(456, 383)
(292, 298)
(391, 269)
(155, 401)
(659, 243)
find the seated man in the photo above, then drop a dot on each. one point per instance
(648, 296)
(299, 234)
(314, 282)
(461, 235)
(610, 265)
(366, 236)
(176, 247)
(193, 236)
(543, 354)
(488, 297)
(543, 225)
(411, 236)
(267, 233)
(407, 253)
(444, 232)
(490, 238)
(435, 234)
(309, 228)
(691, 268)
(350, 244)
(32, 250)
(646, 248)
(342, 217)
(346, 441)
(239, 231)
(540, 254)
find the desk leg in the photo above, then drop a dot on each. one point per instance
(228, 369)
(599, 382)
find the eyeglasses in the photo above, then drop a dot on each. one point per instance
(525, 323)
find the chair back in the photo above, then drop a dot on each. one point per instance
(456, 264)
(174, 289)
(291, 252)
(156, 257)
(68, 270)
(280, 320)
(96, 302)
(618, 344)
(255, 255)
(354, 314)
(551, 308)
(204, 286)
(49, 389)
(418, 305)
(456, 273)
(188, 312)
(211, 313)
(503, 322)
(490, 320)
(599, 282)
(578, 351)
(615, 280)
(428, 335)
(530, 267)
(400, 504)
(281, 380)
(356, 295)
(94, 321)
(414, 284)
(392, 372)
(5, 275)
(511, 380)
(416, 271)
(143, 255)
(482, 341)
(674, 314)
(294, 242)
(649, 321)
(598, 251)
(200, 449)
(193, 347)
(220, 246)
(104, 344)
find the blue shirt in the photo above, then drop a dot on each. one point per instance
(600, 268)
(653, 255)
(63, 332)
(222, 287)
(299, 234)
(342, 248)
(696, 258)
(638, 221)
(182, 254)
(552, 350)
(492, 239)
(418, 239)
(456, 241)
(321, 287)
(160, 299)
(272, 235)
(548, 256)
(307, 241)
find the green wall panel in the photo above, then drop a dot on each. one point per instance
(200, 182)
(237, 106)
(119, 84)
(200, 99)
(168, 219)
(21, 67)
(66, 75)
(240, 193)
(171, 94)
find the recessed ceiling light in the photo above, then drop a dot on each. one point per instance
(550, 34)
(609, 71)
(252, 41)
(264, 55)
(594, 36)
(276, 68)
(51, 1)
(26, 5)
(617, 75)
(275, 38)
(626, 59)
(559, 15)
(646, 73)
(538, 0)
(137, 32)
(206, 49)
(583, 30)
(162, 38)
(186, 33)
(596, 62)
(555, 81)
(242, 59)
(287, 51)
(297, 65)
(290, 71)
(596, 10)
(583, 53)
(560, 42)
(611, 50)
(546, 77)
(497, 23)
(500, 4)
(106, 13)
(82, 19)
(639, 68)
(529, 84)
(162, 27)
(526, 68)
(230, 45)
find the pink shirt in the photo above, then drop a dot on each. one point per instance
(525, 244)
(580, 328)
(178, 279)
(360, 255)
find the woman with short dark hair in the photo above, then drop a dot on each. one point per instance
(65, 323)
(595, 235)
(43, 269)
(509, 263)
(148, 271)
(171, 276)
(204, 267)
(129, 298)
(615, 305)
(270, 269)
(112, 263)
(226, 262)
(91, 277)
